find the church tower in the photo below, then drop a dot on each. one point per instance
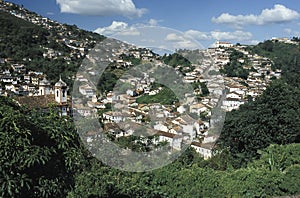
(60, 91)
(44, 87)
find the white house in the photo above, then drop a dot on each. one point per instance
(161, 127)
(232, 103)
(234, 95)
(174, 140)
(198, 108)
(205, 150)
(87, 90)
(113, 116)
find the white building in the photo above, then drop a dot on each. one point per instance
(218, 44)
(87, 90)
(232, 103)
(61, 89)
(45, 88)
(205, 150)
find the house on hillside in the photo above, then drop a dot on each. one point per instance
(218, 44)
(204, 149)
(232, 103)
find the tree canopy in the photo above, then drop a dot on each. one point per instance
(42, 156)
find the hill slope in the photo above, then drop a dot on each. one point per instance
(275, 116)
(42, 44)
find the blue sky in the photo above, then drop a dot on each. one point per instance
(234, 21)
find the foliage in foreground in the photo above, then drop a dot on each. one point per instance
(274, 174)
(40, 153)
(41, 156)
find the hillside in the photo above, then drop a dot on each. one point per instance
(42, 44)
(273, 117)
(285, 56)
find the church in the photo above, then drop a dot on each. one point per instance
(47, 96)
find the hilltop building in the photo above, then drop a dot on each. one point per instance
(218, 44)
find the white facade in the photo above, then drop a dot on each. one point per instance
(222, 44)
(204, 151)
(44, 87)
(232, 103)
(87, 90)
(60, 92)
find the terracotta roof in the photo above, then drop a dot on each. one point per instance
(165, 134)
(114, 126)
(198, 144)
(36, 101)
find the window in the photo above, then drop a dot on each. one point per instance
(57, 93)
(63, 93)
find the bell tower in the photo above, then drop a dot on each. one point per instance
(44, 87)
(60, 91)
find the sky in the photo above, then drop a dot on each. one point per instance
(203, 21)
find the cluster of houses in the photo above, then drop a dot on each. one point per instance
(174, 123)
(238, 90)
(16, 80)
(171, 123)
(284, 40)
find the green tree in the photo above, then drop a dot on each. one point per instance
(272, 118)
(40, 153)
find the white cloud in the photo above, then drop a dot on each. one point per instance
(234, 36)
(101, 7)
(114, 28)
(197, 35)
(278, 14)
(153, 35)
(50, 13)
(122, 28)
(186, 44)
(174, 37)
(180, 41)
(153, 22)
(218, 35)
